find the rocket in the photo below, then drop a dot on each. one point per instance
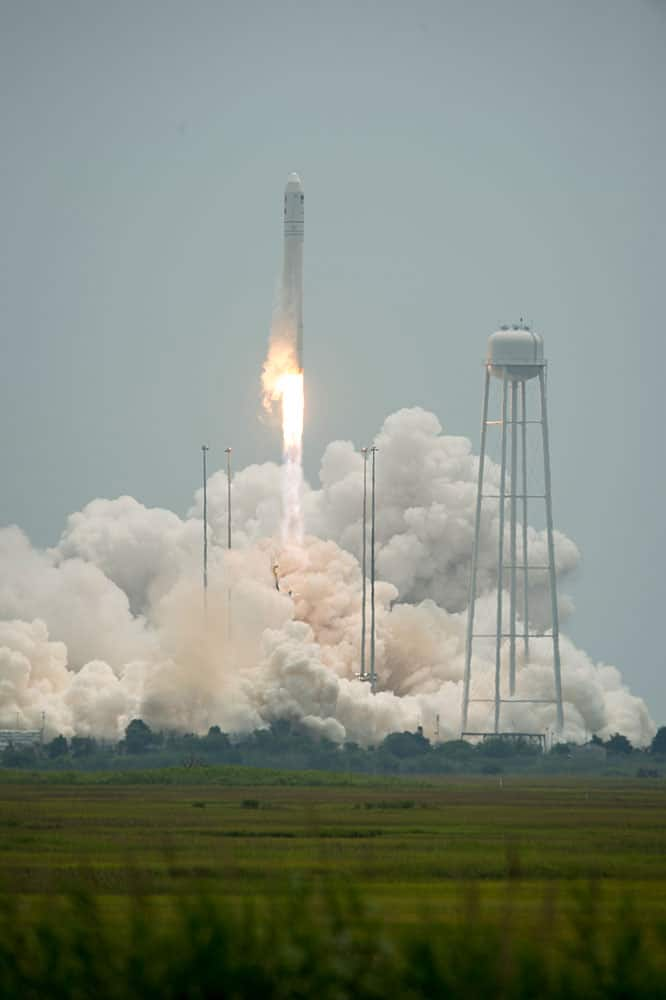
(292, 275)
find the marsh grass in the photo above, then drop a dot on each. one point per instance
(323, 942)
(461, 888)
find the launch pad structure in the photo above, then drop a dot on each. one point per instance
(515, 356)
(537, 740)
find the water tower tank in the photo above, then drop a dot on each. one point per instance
(516, 351)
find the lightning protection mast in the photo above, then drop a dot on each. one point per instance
(227, 452)
(364, 583)
(373, 674)
(204, 451)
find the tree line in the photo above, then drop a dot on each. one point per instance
(290, 745)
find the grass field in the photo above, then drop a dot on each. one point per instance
(404, 843)
(528, 854)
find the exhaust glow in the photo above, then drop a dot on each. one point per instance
(282, 377)
(291, 392)
(290, 388)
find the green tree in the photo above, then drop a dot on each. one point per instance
(82, 746)
(138, 736)
(658, 744)
(455, 749)
(618, 744)
(215, 739)
(406, 744)
(495, 746)
(19, 756)
(57, 747)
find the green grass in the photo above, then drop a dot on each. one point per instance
(383, 833)
(222, 774)
(415, 860)
(327, 944)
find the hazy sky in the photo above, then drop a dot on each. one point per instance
(464, 164)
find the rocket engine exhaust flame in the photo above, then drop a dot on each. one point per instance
(291, 392)
(292, 445)
(283, 385)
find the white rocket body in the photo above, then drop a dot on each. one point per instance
(292, 277)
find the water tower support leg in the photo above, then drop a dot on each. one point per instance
(514, 552)
(551, 554)
(500, 558)
(526, 629)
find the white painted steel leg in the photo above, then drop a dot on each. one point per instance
(526, 579)
(551, 554)
(475, 556)
(229, 615)
(204, 449)
(500, 559)
(364, 560)
(514, 553)
(373, 677)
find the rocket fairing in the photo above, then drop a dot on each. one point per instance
(292, 283)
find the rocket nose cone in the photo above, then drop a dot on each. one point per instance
(294, 183)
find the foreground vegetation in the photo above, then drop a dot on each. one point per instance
(230, 882)
(326, 945)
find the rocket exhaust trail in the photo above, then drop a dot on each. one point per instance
(283, 369)
(292, 447)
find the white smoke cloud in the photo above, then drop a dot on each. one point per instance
(110, 624)
(82, 606)
(426, 489)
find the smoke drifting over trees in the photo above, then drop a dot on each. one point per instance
(109, 625)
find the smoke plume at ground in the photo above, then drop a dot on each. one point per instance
(109, 624)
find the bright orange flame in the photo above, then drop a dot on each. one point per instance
(282, 382)
(281, 361)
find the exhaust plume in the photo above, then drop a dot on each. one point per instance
(108, 625)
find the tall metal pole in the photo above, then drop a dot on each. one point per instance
(551, 554)
(364, 452)
(514, 550)
(526, 579)
(475, 555)
(500, 558)
(227, 452)
(204, 450)
(373, 676)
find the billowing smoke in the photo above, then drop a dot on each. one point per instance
(109, 625)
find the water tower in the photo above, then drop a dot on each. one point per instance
(515, 357)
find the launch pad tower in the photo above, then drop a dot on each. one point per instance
(515, 357)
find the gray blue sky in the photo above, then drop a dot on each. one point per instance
(464, 163)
